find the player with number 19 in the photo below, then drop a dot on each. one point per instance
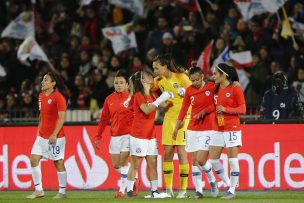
(50, 141)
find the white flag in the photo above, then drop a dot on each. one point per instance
(243, 59)
(272, 5)
(136, 6)
(2, 71)
(222, 58)
(30, 49)
(243, 79)
(21, 27)
(250, 8)
(85, 2)
(122, 37)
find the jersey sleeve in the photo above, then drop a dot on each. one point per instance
(104, 120)
(139, 99)
(185, 106)
(240, 101)
(61, 103)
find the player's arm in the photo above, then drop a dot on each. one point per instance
(147, 108)
(59, 124)
(182, 114)
(61, 108)
(103, 122)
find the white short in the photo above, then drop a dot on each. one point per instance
(198, 140)
(227, 139)
(143, 147)
(119, 144)
(47, 151)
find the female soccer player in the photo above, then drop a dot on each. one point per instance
(230, 103)
(143, 135)
(202, 125)
(172, 78)
(50, 141)
(116, 110)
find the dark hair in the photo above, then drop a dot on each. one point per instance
(60, 86)
(194, 70)
(167, 60)
(137, 84)
(231, 74)
(122, 73)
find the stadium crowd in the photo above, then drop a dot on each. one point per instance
(71, 36)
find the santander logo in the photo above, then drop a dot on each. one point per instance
(96, 173)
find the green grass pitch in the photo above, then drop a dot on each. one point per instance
(107, 196)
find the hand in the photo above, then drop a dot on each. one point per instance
(198, 117)
(174, 134)
(220, 109)
(52, 139)
(181, 91)
(97, 144)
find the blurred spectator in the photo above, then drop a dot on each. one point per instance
(299, 84)
(137, 64)
(281, 101)
(80, 94)
(113, 67)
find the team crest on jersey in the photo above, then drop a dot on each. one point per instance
(175, 85)
(49, 101)
(207, 93)
(126, 103)
(228, 94)
(282, 105)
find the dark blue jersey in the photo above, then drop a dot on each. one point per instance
(281, 106)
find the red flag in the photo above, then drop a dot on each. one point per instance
(204, 60)
(191, 5)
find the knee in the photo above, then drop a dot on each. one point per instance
(168, 156)
(59, 164)
(34, 161)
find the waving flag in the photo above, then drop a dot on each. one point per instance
(204, 60)
(136, 6)
(121, 37)
(21, 27)
(250, 8)
(272, 5)
(30, 49)
(191, 5)
(241, 59)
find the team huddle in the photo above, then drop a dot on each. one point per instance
(201, 118)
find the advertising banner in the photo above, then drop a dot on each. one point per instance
(271, 158)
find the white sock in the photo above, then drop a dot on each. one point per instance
(154, 185)
(208, 170)
(197, 179)
(36, 174)
(130, 185)
(123, 178)
(234, 173)
(219, 169)
(62, 179)
(136, 175)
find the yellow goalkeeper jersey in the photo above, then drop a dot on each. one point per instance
(177, 80)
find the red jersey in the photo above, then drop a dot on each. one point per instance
(232, 98)
(117, 110)
(200, 99)
(49, 106)
(143, 126)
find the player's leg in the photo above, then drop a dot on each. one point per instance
(135, 164)
(183, 170)
(168, 168)
(152, 165)
(39, 148)
(57, 154)
(197, 177)
(62, 178)
(233, 140)
(217, 143)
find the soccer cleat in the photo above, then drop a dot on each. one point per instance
(182, 194)
(135, 187)
(119, 195)
(155, 194)
(228, 195)
(214, 189)
(36, 194)
(197, 195)
(170, 193)
(60, 196)
(130, 193)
